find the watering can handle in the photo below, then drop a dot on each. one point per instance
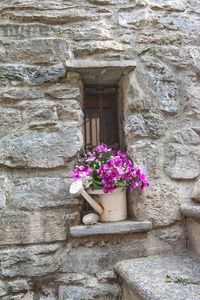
(92, 202)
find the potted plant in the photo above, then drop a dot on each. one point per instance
(107, 173)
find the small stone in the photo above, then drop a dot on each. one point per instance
(3, 181)
(90, 219)
(181, 162)
(196, 191)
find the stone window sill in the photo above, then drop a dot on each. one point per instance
(121, 227)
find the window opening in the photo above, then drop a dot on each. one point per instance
(101, 116)
(100, 119)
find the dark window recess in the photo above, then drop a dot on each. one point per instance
(100, 113)
(100, 120)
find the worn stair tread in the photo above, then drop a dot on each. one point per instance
(148, 277)
(191, 209)
(120, 227)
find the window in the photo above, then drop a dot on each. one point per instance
(101, 116)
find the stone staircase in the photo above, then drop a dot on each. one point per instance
(167, 277)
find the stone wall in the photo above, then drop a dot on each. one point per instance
(41, 131)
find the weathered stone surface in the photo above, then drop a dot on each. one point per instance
(3, 181)
(191, 209)
(95, 291)
(186, 136)
(27, 228)
(10, 120)
(64, 92)
(55, 16)
(159, 204)
(106, 254)
(193, 227)
(29, 261)
(146, 155)
(181, 162)
(155, 277)
(25, 31)
(196, 191)
(16, 94)
(41, 149)
(17, 286)
(16, 74)
(150, 125)
(35, 51)
(35, 193)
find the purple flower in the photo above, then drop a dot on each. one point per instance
(81, 172)
(101, 149)
(109, 171)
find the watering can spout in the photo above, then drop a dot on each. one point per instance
(76, 188)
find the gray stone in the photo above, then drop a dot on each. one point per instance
(41, 149)
(29, 261)
(191, 209)
(18, 286)
(3, 289)
(193, 227)
(146, 155)
(159, 204)
(94, 291)
(160, 277)
(181, 162)
(70, 110)
(196, 191)
(16, 74)
(35, 51)
(52, 16)
(110, 228)
(11, 120)
(26, 228)
(102, 254)
(64, 92)
(3, 181)
(12, 31)
(36, 193)
(17, 94)
(150, 125)
(186, 136)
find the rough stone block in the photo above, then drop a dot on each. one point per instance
(29, 261)
(35, 51)
(186, 136)
(36, 193)
(2, 192)
(25, 31)
(94, 291)
(146, 155)
(18, 74)
(102, 257)
(151, 125)
(11, 120)
(41, 149)
(181, 162)
(196, 191)
(26, 228)
(159, 204)
(17, 94)
(159, 277)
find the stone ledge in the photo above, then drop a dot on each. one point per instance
(191, 210)
(160, 277)
(106, 73)
(110, 228)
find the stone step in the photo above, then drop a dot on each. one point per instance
(192, 212)
(160, 278)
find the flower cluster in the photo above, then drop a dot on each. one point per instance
(108, 169)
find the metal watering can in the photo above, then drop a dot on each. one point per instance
(76, 188)
(110, 206)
